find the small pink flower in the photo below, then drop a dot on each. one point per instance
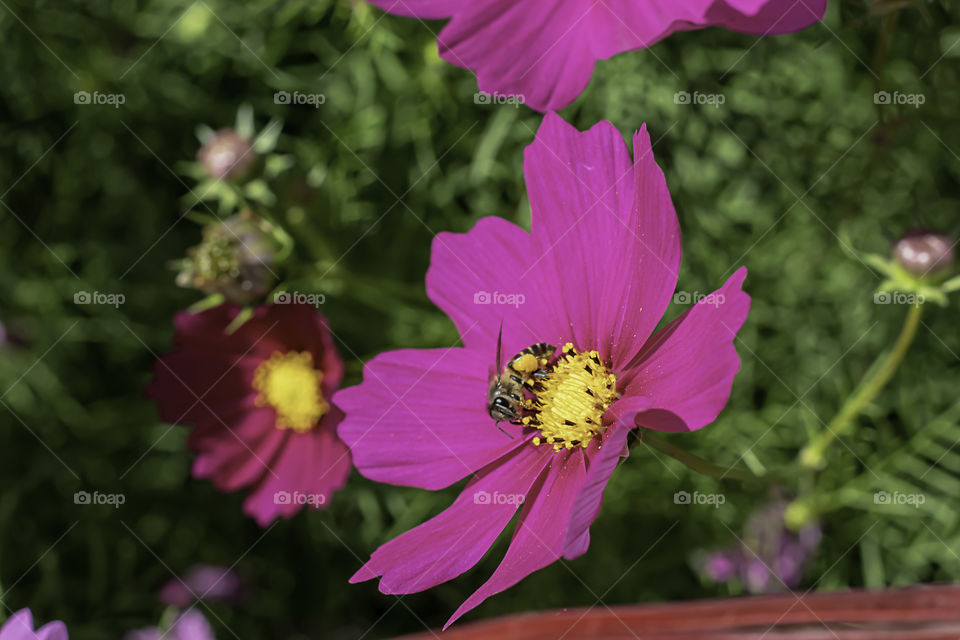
(594, 275)
(191, 625)
(202, 582)
(20, 627)
(259, 400)
(545, 50)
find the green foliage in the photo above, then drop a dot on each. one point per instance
(797, 156)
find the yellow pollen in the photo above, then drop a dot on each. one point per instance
(289, 383)
(572, 399)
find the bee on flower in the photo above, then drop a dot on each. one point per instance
(596, 272)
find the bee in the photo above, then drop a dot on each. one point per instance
(505, 400)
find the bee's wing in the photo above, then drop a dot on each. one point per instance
(499, 344)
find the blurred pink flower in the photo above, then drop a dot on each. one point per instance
(201, 582)
(594, 275)
(20, 627)
(258, 398)
(191, 625)
(769, 558)
(545, 50)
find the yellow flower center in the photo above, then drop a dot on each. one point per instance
(572, 399)
(289, 383)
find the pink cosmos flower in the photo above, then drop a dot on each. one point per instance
(20, 627)
(259, 400)
(191, 625)
(595, 274)
(202, 581)
(545, 50)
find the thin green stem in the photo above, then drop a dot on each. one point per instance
(879, 375)
(695, 462)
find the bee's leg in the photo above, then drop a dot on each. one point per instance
(504, 432)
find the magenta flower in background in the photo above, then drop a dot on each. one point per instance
(190, 625)
(545, 50)
(769, 558)
(202, 581)
(594, 276)
(20, 627)
(259, 400)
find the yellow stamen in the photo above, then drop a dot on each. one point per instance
(289, 383)
(572, 399)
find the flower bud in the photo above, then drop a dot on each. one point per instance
(923, 252)
(227, 155)
(234, 260)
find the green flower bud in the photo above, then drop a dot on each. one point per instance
(235, 259)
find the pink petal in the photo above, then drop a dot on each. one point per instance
(425, 9)
(306, 473)
(192, 625)
(601, 462)
(545, 51)
(192, 388)
(625, 25)
(687, 368)
(539, 537)
(239, 455)
(419, 418)
(18, 627)
(450, 543)
(607, 228)
(52, 631)
(482, 279)
(533, 49)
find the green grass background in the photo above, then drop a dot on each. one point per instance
(798, 155)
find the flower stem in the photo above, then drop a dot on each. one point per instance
(695, 462)
(812, 456)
